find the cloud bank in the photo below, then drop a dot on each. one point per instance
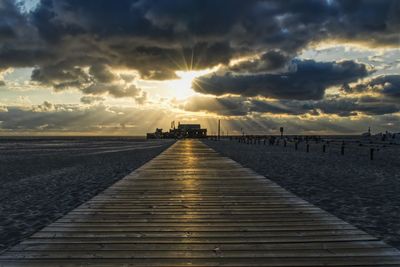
(158, 37)
(307, 80)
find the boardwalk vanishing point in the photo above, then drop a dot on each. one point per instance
(190, 206)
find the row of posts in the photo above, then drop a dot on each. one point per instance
(276, 141)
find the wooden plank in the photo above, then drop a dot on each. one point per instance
(196, 234)
(213, 253)
(202, 246)
(115, 228)
(191, 240)
(192, 207)
(367, 261)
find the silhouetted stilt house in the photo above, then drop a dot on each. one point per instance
(182, 131)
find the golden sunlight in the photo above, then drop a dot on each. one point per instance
(182, 87)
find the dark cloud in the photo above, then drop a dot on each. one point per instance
(61, 77)
(386, 85)
(102, 73)
(269, 61)
(20, 57)
(158, 37)
(91, 99)
(99, 80)
(361, 19)
(10, 20)
(240, 106)
(6, 32)
(391, 85)
(384, 94)
(116, 90)
(307, 80)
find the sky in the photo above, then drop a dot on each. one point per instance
(106, 67)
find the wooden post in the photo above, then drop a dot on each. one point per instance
(219, 129)
(342, 150)
(308, 148)
(295, 146)
(371, 154)
(323, 148)
(284, 143)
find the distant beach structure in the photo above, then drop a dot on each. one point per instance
(182, 131)
(367, 134)
(383, 137)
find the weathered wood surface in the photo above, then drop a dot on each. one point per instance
(192, 207)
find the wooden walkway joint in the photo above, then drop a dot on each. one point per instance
(190, 206)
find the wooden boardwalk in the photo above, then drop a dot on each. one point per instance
(192, 207)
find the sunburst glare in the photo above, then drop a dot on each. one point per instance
(182, 87)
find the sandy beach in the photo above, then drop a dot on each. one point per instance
(44, 178)
(362, 192)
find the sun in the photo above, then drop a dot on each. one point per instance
(182, 87)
